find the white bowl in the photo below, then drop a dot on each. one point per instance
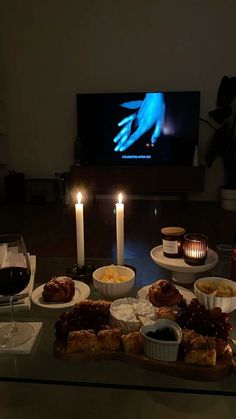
(161, 350)
(114, 290)
(227, 304)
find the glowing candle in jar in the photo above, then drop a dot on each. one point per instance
(195, 248)
(79, 213)
(120, 230)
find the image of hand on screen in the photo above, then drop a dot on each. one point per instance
(150, 113)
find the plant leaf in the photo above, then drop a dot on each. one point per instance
(218, 145)
(226, 92)
(221, 114)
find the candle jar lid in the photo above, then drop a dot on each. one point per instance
(173, 231)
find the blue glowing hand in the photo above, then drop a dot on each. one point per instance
(150, 113)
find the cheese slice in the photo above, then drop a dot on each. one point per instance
(130, 314)
(143, 308)
(124, 311)
(146, 321)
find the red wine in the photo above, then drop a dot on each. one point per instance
(13, 280)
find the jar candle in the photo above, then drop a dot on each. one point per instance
(195, 249)
(172, 241)
(223, 266)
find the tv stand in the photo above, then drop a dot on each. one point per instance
(138, 180)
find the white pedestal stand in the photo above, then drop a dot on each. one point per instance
(180, 271)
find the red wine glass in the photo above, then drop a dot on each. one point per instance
(14, 278)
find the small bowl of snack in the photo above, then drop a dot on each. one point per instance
(216, 292)
(161, 340)
(114, 281)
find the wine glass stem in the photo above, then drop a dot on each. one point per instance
(13, 327)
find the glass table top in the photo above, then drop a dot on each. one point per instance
(41, 365)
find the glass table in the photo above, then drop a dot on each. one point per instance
(42, 367)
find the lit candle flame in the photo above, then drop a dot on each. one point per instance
(120, 197)
(79, 197)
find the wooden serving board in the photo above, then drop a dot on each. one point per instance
(176, 369)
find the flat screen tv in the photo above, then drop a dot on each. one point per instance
(148, 128)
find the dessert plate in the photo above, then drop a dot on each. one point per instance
(82, 292)
(188, 295)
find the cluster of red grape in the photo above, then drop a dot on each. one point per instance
(85, 315)
(206, 322)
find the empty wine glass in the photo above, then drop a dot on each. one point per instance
(14, 278)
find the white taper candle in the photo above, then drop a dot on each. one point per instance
(79, 213)
(120, 230)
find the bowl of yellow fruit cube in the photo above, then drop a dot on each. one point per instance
(216, 292)
(114, 281)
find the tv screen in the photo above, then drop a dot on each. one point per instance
(148, 128)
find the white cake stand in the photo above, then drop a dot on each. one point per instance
(180, 271)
